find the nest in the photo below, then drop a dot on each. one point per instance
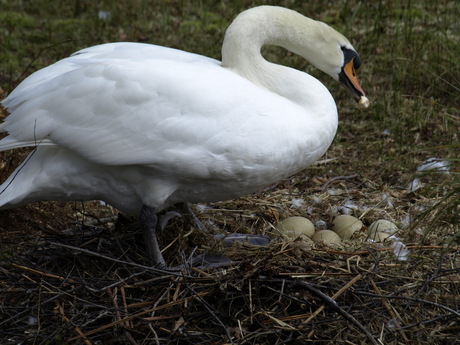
(91, 284)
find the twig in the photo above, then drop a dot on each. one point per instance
(69, 294)
(337, 178)
(329, 302)
(394, 314)
(424, 322)
(114, 299)
(102, 256)
(413, 299)
(27, 311)
(209, 308)
(134, 316)
(125, 305)
(122, 281)
(130, 338)
(77, 329)
(337, 294)
(49, 275)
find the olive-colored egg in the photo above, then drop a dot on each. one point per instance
(345, 226)
(379, 236)
(294, 227)
(382, 225)
(326, 236)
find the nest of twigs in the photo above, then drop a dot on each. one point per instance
(91, 284)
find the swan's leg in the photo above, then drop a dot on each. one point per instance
(187, 211)
(256, 240)
(182, 210)
(149, 221)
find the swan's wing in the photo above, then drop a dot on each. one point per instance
(139, 104)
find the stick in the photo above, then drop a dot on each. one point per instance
(49, 275)
(89, 252)
(394, 314)
(329, 302)
(337, 178)
(337, 294)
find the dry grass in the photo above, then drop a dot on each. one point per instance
(90, 284)
(76, 273)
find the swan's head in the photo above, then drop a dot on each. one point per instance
(317, 42)
(347, 74)
(332, 53)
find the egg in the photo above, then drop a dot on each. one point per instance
(294, 227)
(327, 237)
(379, 236)
(301, 245)
(345, 226)
(363, 102)
(382, 225)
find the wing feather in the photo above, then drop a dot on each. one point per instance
(123, 104)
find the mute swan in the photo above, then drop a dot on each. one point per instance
(143, 127)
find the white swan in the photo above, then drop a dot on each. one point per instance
(143, 127)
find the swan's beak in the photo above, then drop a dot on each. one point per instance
(348, 78)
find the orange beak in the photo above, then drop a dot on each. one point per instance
(348, 78)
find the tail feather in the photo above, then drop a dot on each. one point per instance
(49, 173)
(36, 178)
(13, 194)
(9, 143)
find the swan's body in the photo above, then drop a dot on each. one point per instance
(131, 128)
(141, 125)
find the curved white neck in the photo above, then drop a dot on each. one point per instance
(267, 25)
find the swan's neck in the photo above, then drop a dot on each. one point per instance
(267, 25)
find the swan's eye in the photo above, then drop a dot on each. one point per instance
(348, 55)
